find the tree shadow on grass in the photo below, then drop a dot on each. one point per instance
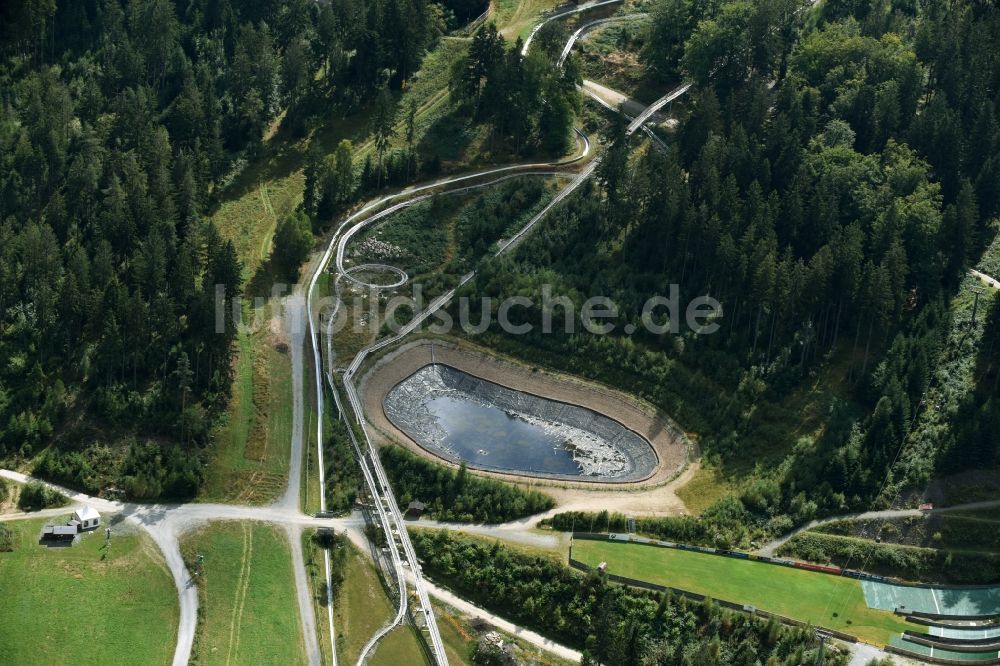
(284, 154)
(448, 138)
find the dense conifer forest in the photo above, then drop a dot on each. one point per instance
(121, 122)
(832, 182)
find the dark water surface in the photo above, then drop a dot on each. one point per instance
(490, 437)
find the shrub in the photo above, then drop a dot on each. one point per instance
(37, 496)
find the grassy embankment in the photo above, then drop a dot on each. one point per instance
(360, 608)
(248, 611)
(84, 604)
(960, 547)
(820, 599)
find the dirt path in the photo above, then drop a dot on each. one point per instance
(304, 594)
(293, 325)
(772, 547)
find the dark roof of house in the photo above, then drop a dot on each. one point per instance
(59, 530)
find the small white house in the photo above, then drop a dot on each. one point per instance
(87, 517)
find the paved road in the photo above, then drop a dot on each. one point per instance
(293, 322)
(164, 522)
(304, 596)
(993, 282)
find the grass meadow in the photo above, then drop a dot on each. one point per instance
(85, 604)
(360, 608)
(249, 614)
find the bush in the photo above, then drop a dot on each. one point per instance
(6, 539)
(36, 496)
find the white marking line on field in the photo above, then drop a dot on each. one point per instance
(934, 597)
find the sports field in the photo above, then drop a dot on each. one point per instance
(833, 602)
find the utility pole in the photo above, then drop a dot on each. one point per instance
(975, 306)
(822, 639)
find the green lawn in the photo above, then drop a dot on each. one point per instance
(316, 575)
(252, 445)
(249, 614)
(833, 602)
(70, 606)
(361, 607)
(402, 645)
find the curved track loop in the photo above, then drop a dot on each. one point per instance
(587, 27)
(401, 276)
(387, 511)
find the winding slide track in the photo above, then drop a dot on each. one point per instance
(387, 511)
(166, 523)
